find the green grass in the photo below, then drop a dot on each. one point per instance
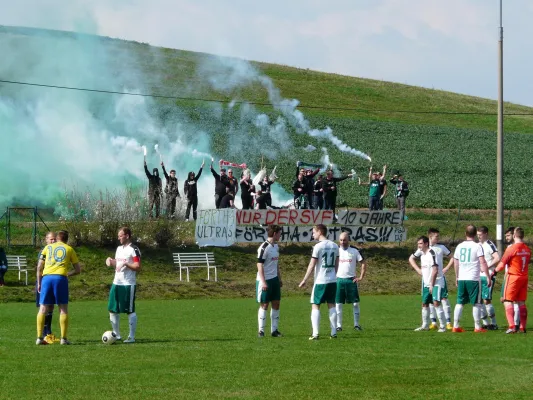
(208, 349)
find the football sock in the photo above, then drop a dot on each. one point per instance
(315, 321)
(132, 319)
(491, 312)
(63, 323)
(261, 319)
(523, 316)
(425, 317)
(477, 312)
(447, 309)
(516, 314)
(115, 323)
(457, 312)
(355, 314)
(333, 320)
(48, 323)
(338, 307)
(440, 314)
(432, 313)
(509, 313)
(274, 319)
(40, 324)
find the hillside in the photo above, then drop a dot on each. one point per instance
(449, 159)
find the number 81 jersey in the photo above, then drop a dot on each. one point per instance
(326, 253)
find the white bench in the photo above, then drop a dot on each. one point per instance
(19, 263)
(185, 261)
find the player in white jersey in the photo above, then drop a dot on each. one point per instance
(268, 282)
(347, 288)
(432, 282)
(492, 257)
(127, 263)
(325, 263)
(468, 262)
(441, 251)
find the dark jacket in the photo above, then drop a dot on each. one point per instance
(171, 189)
(190, 188)
(330, 185)
(155, 184)
(297, 184)
(221, 183)
(3, 257)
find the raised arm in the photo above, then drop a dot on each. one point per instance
(148, 174)
(164, 170)
(342, 178)
(313, 174)
(199, 173)
(217, 176)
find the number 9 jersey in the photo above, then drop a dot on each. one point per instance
(326, 253)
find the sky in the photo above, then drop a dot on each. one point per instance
(449, 45)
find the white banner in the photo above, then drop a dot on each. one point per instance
(304, 234)
(216, 227)
(284, 217)
(370, 218)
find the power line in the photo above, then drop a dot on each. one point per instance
(159, 96)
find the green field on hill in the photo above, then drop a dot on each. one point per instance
(200, 349)
(444, 143)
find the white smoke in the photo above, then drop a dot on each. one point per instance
(196, 153)
(229, 74)
(328, 134)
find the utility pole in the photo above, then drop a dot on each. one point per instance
(499, 151)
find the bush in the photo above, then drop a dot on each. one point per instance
(96, 218)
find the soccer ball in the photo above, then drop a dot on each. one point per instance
(109, 337)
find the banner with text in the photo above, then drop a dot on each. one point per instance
(370, 218)
(284, 217)
(216, 227)
(304, 234)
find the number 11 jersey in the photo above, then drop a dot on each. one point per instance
(326, 253)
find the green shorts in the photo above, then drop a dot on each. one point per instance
(324, 293)
(486, 292)
(468, 292)
(121, 299)
(427, 298)
(347, 291)
(273, 293)
(435, 295)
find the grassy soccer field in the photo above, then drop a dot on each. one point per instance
(208, 349)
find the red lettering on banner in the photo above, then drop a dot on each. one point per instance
(257, 217)
(304, 219)
(270, 217)
(239, 212)
(316, 215)
(282, 216)
(292, 216)
(326, 215)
